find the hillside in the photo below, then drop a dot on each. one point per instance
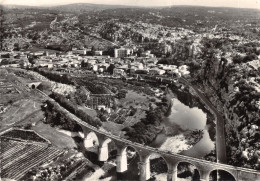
(75, 7)
(232, 85)
(81, 7)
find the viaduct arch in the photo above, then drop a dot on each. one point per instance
(204, 167)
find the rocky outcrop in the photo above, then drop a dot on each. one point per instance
(230, 89)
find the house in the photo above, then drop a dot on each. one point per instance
(104, 66)
(118, 72)
(156, 71)
(95, 68)
(98, 53)
(39, 53)
(183, 70)
(147, 54)
(79, 51)
(99, 107)
(92, 62)
(137, 65)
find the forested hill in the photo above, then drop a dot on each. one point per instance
(75, 7)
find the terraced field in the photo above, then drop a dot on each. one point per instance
(17, 157)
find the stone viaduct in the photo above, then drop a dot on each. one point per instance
(94, 136)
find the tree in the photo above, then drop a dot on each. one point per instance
(121, 94)
(32, 60)
(93, 49)
(114, 107)
(110, 69)
(17, 47)
(86, 65)
(110, 51)
(45, 87)
(5, 62)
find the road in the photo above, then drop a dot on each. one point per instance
(220, 125)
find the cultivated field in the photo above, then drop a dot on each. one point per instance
(19, 111)
(19, 157)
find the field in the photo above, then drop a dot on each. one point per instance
(9, 89)
(21, 105)
(19, 157)
(57, 138)
(94, 101)
(27, 135)
(134, 99)
(22, 110)
(138, 101)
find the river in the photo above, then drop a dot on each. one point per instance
(179, 123)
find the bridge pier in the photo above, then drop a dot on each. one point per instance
(172, 172)
(103, 153)
(144, 168)
(88, 142)
(121, 161)
(204, 175)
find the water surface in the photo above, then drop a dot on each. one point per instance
(181, 119)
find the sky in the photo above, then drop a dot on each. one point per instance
(222, 3)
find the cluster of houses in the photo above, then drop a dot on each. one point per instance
(124, 62)
(152, 69)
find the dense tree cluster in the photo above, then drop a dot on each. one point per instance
(56, 76)
(75, 110)
(146, 131)
(121, 94)
(244, 134)
(237, 59)
(93, 84)
(56, 117)
(80, 96)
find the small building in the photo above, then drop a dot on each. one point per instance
(118, 72)
(95, 68)
(92, 61)
(98, 53)
(156, 71)
(99, 107)
(79, 51)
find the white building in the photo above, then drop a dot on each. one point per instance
(183, 70)
(123, 52)
(98, 53)
(79, 51)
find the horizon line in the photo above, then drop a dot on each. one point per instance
(136, 6)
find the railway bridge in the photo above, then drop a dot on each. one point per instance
(94, 136)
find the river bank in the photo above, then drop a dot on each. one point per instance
(190, 99)
(187, 128)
